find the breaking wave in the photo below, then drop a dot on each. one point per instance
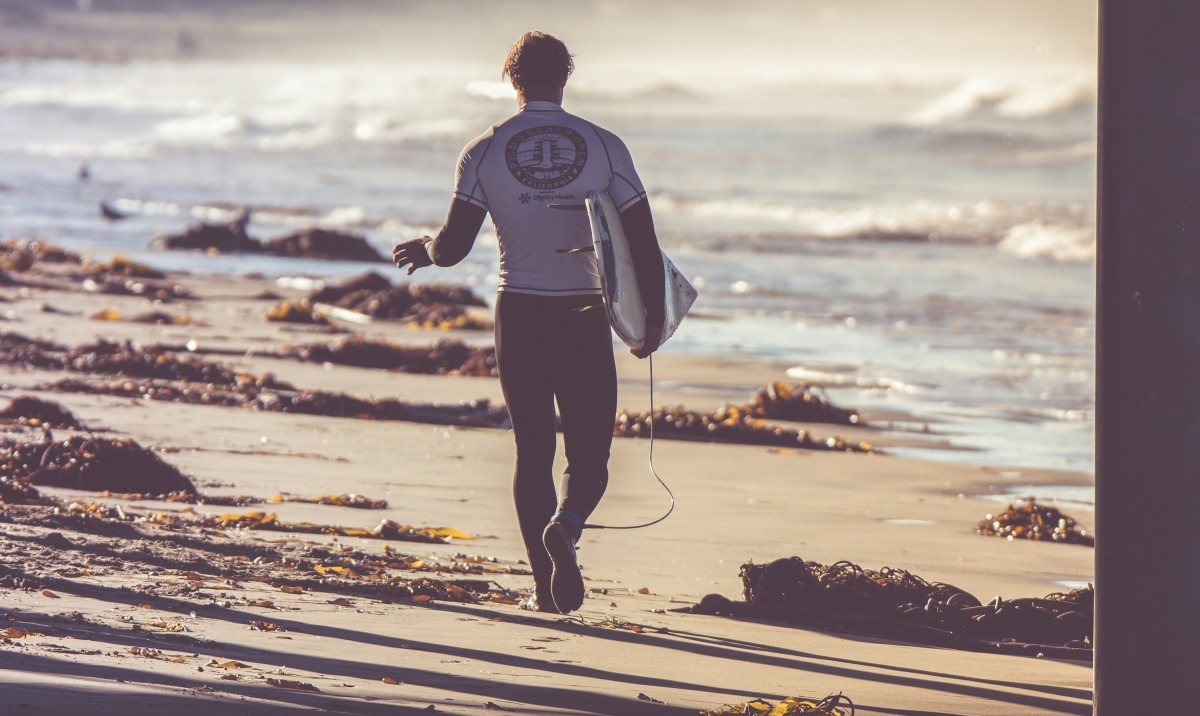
(1006, 99)
(1063, 233)
(1040, 239)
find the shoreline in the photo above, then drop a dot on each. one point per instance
(873, 509)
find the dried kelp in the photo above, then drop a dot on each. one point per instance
(831, 705)
(156, 317)
(728, 425)
(160, 291)
(269, 521)
(19, 492)
(746, 424)
(35, 412)
(17, 349)
(91, 463)
(122, 266)
(301, 311)
(128, 359)
(1029, 519)
(343, 500)
(477, 413)
(895, 603)
(208, 561)
(445, 357)
(20, 255)
(386, 529)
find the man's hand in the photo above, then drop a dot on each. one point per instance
(652, 342)
(412, 254)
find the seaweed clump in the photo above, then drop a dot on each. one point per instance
(91, 463)
(1029, 519)
(20, 255)
(893, 602)
(126, 359)
(156, 373)
(122, 266)
(300, 311)
(746, 424)
(831, 705)
(801, 403)
(35, 412)
(445, 357)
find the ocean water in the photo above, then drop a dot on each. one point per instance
(920, 241)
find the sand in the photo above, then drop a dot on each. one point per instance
(137, 619)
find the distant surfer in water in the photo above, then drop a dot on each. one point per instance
(531, 172)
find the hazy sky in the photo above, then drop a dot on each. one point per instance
(765, 37)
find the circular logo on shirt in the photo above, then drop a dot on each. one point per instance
(546, 157)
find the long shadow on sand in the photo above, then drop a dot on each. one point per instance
(487, 689)
(694, 644)
(726, 648)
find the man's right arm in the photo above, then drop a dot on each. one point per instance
(457, 236)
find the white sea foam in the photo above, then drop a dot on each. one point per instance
(845, 380)
(200, 128)
(808, 220)
(67, 149)
(981, 221)
(140, 206)
(1039, 239)
(1013, 100)
(346, 217)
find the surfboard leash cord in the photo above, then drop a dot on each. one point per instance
(652, 471)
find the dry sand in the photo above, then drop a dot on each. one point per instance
(122, 627)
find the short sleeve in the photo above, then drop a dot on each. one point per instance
(466, 177)
(625, 187)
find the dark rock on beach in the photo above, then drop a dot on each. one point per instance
(434, 305)
(221, 238)
(324, 244)
(231, 237)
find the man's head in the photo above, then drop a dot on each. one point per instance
(538, 63)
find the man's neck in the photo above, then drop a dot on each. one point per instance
(540, 94)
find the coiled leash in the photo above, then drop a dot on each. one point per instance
(650, 458)
(652, 471)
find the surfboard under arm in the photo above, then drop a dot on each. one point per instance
(622, 297)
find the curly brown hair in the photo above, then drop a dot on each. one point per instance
(538, 59)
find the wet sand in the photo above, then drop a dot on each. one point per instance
(121, 618)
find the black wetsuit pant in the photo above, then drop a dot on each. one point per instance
(548, 349)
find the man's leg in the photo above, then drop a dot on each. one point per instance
(585, 384)
(528, 392)
(586, 388)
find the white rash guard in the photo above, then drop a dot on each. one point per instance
(540, 156)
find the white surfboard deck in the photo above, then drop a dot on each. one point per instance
(622, 296)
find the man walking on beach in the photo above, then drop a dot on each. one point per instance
(531, 172)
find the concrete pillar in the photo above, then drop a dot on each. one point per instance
(1148, 359)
